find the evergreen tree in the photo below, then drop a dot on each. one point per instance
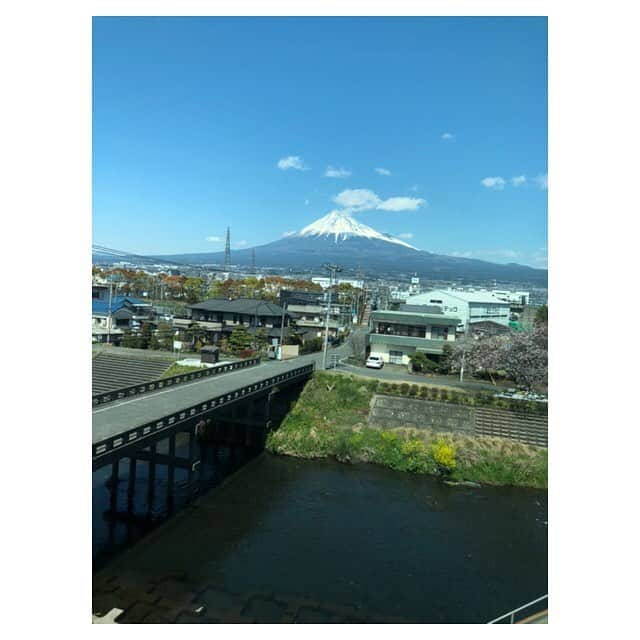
(240, 339)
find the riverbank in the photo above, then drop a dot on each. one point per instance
(330, 420)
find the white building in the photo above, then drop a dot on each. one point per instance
(469, 306)
(395, 336)
(512, 297)
(325, 282)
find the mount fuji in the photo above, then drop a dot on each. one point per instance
(339, 238)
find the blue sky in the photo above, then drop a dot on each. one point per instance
(266, 124)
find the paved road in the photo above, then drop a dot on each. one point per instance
(116, 417)
(400, 374)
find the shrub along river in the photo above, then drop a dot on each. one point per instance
(291, 540)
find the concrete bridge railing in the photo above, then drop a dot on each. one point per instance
(156, 385)
(116, 446)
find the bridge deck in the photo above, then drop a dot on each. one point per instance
(117, 417)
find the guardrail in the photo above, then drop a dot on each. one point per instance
(512, 614)
(120, 441)
(155, 385)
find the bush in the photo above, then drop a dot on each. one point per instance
(422, 363)
(404, 388)
(444, 455)
(312, 345)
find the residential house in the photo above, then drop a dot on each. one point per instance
(111, 317)
(469, 306)
(218, 317)
(396, 335)
(308, 310)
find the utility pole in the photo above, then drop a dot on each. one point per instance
(464, 349)
(282, 330)
(109, 315)
(227, 250)
(333, 269)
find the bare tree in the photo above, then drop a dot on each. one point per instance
(358, 341)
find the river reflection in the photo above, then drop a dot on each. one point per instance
(287, 540)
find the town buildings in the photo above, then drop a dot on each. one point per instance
(469, 306)
(396, 335)
(218, 317)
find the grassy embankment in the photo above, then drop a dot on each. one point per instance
(177, 369)
(330, 420)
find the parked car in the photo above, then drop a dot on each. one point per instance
(374, 362)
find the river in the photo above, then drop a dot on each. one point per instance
(289, 540)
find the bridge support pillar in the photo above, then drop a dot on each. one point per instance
(151, 479)
(131, 491)
(113, 486)
(171, 474)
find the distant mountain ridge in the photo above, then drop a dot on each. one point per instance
(340, 238)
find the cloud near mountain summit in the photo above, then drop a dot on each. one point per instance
(365, 199)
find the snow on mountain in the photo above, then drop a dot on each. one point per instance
(342, 226)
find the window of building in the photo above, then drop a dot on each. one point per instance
(439, 333)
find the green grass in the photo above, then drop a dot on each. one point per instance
(330, 420)
(177, 369)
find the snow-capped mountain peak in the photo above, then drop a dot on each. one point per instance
(342, 226)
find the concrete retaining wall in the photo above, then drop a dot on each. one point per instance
(391, 412)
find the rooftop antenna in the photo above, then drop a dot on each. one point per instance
(227, 250)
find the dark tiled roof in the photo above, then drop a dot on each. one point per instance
(246, 306)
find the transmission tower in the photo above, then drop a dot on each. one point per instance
(227, 250)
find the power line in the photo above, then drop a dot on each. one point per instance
(131, 257)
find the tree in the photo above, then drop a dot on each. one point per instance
(146, 335)
(240, 339)
(421, 363)
(260, 339)
(165, 336)
(359, 345)
(192, 289)
(521, 357)
(541, 314)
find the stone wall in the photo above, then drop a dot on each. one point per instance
(391, 412)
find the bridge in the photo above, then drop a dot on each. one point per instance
(128, 424)
(233, 405)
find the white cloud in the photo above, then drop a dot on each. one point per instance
(292, 162)
(241, 243)
(357, 199)
(518, 181)
(448, 136)
(286, 234)
(332, 172)
(496, 183)
(364, 199)
(382, 171)
(213, 239)
(542, 181)
(405, 236)
(401, 204)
